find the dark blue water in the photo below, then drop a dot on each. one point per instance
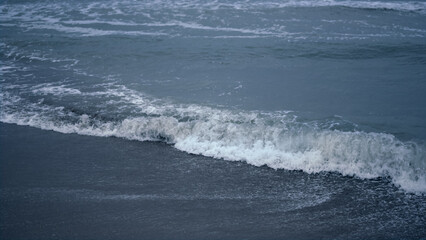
(322, 87)
(82, 187)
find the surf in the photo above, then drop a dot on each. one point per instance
(279, 140)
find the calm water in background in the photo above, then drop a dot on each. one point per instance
(328, 87)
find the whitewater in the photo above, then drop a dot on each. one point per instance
(275, 139)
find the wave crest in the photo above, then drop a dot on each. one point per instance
(277, 140)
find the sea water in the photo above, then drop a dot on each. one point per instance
(301, 85)
(319, 86)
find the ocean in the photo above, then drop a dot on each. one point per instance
(195, 119)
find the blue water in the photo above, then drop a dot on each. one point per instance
(308, 85)
(68, 186)
(315, 86)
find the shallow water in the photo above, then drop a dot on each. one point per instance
(79, 187)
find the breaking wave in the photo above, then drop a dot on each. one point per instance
(275, 139)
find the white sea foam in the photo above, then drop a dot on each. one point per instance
(55, 90)
(175, 14)
(277, 140)
(193, 25)
(6, 69)
(400, 6)
(88, 22)
(243, 5)
(89, 32)
(98, 12)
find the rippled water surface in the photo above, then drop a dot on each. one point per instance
(321, 100)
